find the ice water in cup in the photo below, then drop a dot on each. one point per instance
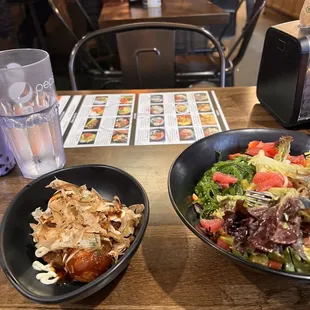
(29, 111)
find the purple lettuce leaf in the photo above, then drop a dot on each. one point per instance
(264, 228)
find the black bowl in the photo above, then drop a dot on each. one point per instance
(191, 164)
(16, 245)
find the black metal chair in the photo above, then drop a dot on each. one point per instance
(226, 30)
(60, 8)
(147, 55)
(190, 44)
(189, 71)
(30, 5)
(91, 10)
(92, 67)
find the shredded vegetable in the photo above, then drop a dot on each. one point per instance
(207, 190)
(81, 233)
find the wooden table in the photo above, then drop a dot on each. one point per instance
(195, 12)
(289, 8)
(173, 269)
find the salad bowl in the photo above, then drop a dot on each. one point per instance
(190, 166)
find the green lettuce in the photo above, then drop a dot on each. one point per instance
(295, 172)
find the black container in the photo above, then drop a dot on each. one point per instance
(283, 85)
(191, 164)
(17, 247)
(135, 2)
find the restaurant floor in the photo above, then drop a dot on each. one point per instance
(247, 71)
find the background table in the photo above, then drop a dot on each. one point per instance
(195, 12)
(173, 269)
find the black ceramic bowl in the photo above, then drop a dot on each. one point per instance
(16, 245)
(190, 166)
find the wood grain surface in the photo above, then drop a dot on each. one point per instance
(195, 12)
(287, 7)
(172, 269)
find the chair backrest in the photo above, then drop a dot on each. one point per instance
(147, 52)
(254, 9)
(90, 22)
(60, 8)
(147, 57)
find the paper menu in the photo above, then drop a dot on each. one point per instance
(67, 112)
(62, 100)
(162, 118)
(98, 120)
(177, 118)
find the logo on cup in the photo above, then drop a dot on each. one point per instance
(46, 84)
(21, 92)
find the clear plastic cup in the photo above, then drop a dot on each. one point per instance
(29, 111)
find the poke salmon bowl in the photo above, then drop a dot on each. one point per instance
(246, 193)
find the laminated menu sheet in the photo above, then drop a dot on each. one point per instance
(96, 120)
(178, 117)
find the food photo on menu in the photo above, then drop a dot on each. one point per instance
(186, 134)
(88, 137)
(157, 121)
(120, 136)
(101, 100)
(122, 122)
(157, 135)
(181, 108)
(157, 99)
(180, 98)
(97, 111)
(208, 131)
(207, 119)
(184, 120)
(201, 97)
(157, 109)
(92, 123)
(124, 110)
(203, 107)
(126, 99)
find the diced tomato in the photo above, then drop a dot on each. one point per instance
(212, 225)
(266, 180)
(255, 146)
(233, 156)
(298, 160)
(252, 144)
(224, 179)
(274, 264)
(222, 244)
